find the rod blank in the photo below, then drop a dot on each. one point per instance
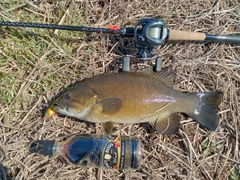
(221, 39)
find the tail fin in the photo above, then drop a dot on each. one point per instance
(206, 112)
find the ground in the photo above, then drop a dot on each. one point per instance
(36, 64)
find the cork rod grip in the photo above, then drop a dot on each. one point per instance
(185, 35)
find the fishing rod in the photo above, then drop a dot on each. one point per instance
(148, 34)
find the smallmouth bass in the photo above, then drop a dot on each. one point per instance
(136, 97)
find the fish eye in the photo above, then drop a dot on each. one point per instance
(67, 96)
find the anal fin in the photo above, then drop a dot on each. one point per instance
(168, 125)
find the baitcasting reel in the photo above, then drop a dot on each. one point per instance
(148, 34)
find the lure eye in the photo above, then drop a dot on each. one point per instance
(67, 96)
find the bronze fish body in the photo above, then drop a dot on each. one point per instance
(136, 97)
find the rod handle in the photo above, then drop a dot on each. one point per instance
(186, 36)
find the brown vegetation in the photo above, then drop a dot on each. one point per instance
(36, 64)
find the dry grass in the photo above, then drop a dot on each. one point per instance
(36, 64)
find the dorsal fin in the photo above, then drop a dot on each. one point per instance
(166, 76)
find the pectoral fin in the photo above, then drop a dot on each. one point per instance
(107, 127)
(167, 125)
(109, 106)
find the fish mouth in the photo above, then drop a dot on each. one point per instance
(59, 107)
(51, 110)
(56, 107)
